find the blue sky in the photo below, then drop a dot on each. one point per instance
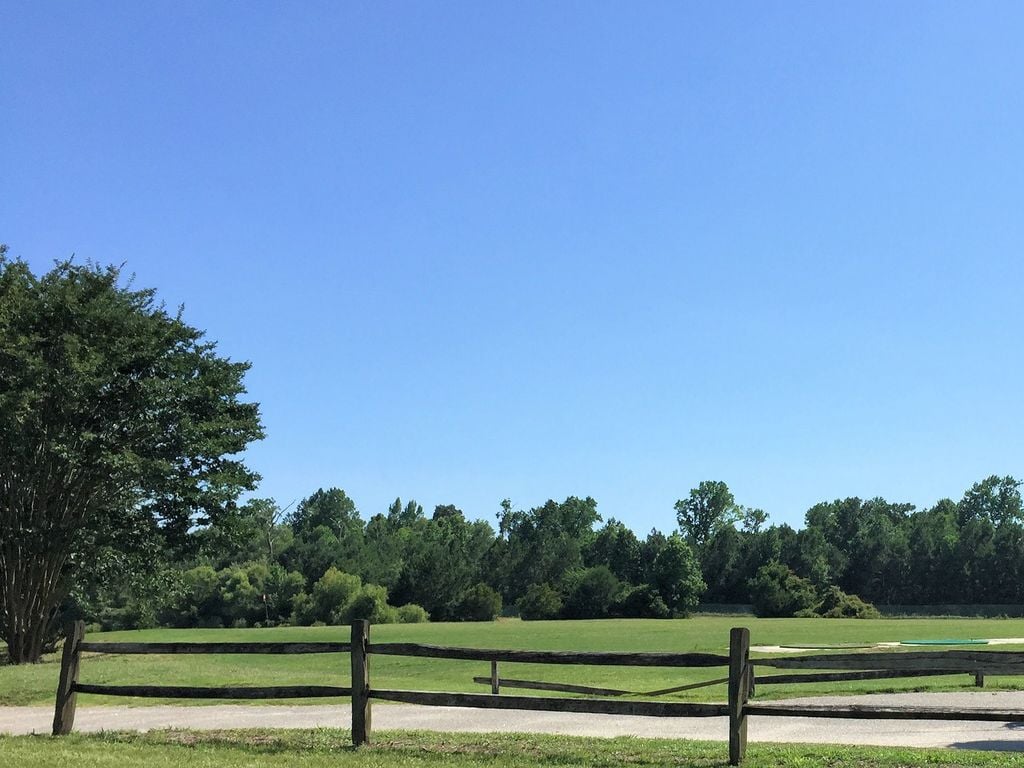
(528, 250)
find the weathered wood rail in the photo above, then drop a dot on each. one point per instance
(740, 681)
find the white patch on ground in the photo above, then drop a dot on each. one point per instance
(890, 644)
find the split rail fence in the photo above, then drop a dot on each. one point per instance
(740, 679)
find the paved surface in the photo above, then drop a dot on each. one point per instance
(916, 733)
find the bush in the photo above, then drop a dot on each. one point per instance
(676, 574)
(641, 602)
(201, 597)
(836, 604)
(282, 588)
(410, 613)
(776, 591)
(239, 598)
(370, 604)
(333, 594)
(478, 603)
(302, 610)
(592, 595)
(540, 602)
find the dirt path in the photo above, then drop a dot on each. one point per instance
(915, 733)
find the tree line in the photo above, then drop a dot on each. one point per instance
(323, 562)
(121, 428)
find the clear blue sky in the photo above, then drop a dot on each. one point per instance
(477, 250)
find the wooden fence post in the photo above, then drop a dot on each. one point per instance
(64, 711)
(979, 679)
(739, 692)
(360, 683)
(495, 680)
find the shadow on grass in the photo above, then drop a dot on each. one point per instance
(990, 745)
(256, 741)
(414, 748)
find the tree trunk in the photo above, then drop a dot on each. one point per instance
(31, 589)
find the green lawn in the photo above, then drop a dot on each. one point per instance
(322, 748)
(35, 684)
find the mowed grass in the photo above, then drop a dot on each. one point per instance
(322, 748)
(35, 684)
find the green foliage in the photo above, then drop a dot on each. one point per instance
(996, 499)
(677, 577)
(442, 558)
(410, 613)
(333, 595)
(478, 603)
(327, 532)
(117, 424)
(202, 596)
(618, 548)
(776, 591)
(449, 566)
(541, 601)
(542, 545)
(710, 506)
(591, 593)
(248, 533)
(371, 604)
(641, 602)
(238, 595)
(836, 604)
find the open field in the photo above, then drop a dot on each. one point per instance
(321, 748)
(35, 684)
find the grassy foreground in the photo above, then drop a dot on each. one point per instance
(35, 684)
(321, 748)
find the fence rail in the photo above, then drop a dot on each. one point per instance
(232, 692)
(738, 708)
(551, 657)
(174, 648)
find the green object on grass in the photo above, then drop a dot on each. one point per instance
(829, 646)
(948, 641)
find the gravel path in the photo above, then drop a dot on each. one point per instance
(915, 733)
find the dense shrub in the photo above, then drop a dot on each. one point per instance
(410, 613)
(775, 591)
(478, 603)
(238, 596)
(541, 601)
(591, 594)
(641, 602)
(370, 604)
(333, 595)
(836, 604)
(676, 576)
(201, 599)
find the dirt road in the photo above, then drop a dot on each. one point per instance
(914, 733)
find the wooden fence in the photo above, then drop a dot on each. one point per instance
(738, 707)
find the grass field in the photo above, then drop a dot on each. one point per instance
(35, 684)
(322, 748)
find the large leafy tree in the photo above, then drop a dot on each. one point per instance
(328, 531)
(119, 429)
(542, 545)
(677, 576)
(709, 507)
(997, 499)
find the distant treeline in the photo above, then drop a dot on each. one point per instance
(323, 562)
